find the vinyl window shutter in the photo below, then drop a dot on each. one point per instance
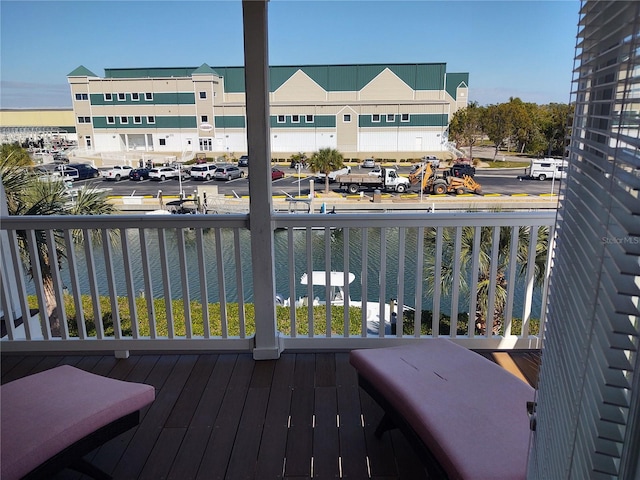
(588, 402)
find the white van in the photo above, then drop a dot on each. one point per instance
(204, 171)
(543, 168)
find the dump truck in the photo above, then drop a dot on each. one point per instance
(432, 181)
(388, 181)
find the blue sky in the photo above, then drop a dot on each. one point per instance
(510, 48)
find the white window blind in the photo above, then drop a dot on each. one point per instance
(588, 412)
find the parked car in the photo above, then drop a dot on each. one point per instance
(117, 172)
(228, 172)
(369, 163)
(78, 171)
(243, 161)
(203, 172)
(139, 174)
(164, 173)
(276, 174)
(461, 169)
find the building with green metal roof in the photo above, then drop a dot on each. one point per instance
(363, 110)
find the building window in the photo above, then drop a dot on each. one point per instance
(108, 97)
(121, 97)
(148, 96)
(163, 142)
(346, 118)
(82, 96)
(391, 117)
(204, 118)
(404, 117)
(124, 120)
(295, 118)
(137, 120)
(281, 119)
(135, 97)
(111, 120)
(203, 95)
(375, 117)
(309, 119)
(151, 120)
(84, 119)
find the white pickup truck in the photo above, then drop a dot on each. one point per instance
(117, 172)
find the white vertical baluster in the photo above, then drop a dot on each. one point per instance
(93, 283)
(148, 286)
(184, 278)
(72, 262)
(128, 276)
(239, 282)
(417, 321)
(111, 283)
(437, 285)
(166, 283)
(224, 324)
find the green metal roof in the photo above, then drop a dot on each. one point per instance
(455, 80)
(333, 78)
(204, 69)
(82, 71)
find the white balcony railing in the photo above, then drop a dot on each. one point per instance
(137, 282)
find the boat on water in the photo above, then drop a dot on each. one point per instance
(338, 297)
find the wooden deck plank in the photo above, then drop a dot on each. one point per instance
(161, 458)
(353, 451)
(218, 451)
(246, 445)
(272, 452)
(326, 445)
(135, 456)
(190, 395)
(225, 416)
(300, 435)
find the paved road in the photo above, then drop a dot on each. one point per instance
(502, 181)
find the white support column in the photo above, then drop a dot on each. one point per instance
(256, 60)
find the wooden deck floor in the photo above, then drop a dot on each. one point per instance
(229, 417)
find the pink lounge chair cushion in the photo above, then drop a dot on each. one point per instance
(44, 413)
(470, 413)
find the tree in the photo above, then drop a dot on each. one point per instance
(28, 195)
(554, 125)
(484, 266)
(496, 124)
(325, 161)
(465, 127)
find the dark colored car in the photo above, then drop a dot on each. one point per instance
(243, 161)
(276, 174)
(139, 174)
(79, 171)
(462, 169)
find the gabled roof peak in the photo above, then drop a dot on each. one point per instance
(82, 71)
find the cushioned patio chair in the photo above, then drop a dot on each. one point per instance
(51, 420)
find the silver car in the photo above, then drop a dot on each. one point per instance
(369, 163)
(228, 173)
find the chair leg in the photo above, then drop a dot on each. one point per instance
(385, 424)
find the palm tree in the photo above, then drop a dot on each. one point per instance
(325, 161)
(26, 194)
(465, 258)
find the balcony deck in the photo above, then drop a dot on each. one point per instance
(227, 416)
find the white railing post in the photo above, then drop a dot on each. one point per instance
(267, 344)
